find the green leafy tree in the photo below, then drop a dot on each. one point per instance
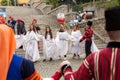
(119, 2)
(55, 3)
(14, 2)
(6, 3)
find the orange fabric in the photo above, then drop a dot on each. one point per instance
(35, 76)
(7, 48)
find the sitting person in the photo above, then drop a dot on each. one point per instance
(104, 65)
(12, 66)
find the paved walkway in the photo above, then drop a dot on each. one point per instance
(46, 69)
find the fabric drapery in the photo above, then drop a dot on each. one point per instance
(7, 48)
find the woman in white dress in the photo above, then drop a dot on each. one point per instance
(32, 51)
(76, 45)
(62, 42)
(48, 45)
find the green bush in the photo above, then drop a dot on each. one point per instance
(104, 3)
(54, 3)
(76, 8)
(112, 3)
(119, 2)
(5, 3)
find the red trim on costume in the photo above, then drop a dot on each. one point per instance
(87, 35)
(34, 76)
(57, 76)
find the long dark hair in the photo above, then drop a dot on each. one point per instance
(50, 32)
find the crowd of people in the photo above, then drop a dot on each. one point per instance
(55, 47)
(99, 65)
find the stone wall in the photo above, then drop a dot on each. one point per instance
(99, 10)
(27, 14)
(41, 5)
(60, 9)
(47, 9)
(34, 3)
(44, 20)
(21, 11)
(70, 16)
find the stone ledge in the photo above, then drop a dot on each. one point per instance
(100, 37)
(57, 9)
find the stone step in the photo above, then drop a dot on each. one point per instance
(20, 11)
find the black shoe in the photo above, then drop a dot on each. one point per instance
(21, 47)
(65, 56)
(44, 60)
(74, 56)
(50, 59)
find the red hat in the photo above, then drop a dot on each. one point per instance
(19, 20)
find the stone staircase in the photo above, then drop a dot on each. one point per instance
(27, 13)
(100, 44)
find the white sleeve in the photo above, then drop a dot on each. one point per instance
(40, 37)
(68, 36)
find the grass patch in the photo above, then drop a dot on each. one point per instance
(104, 3)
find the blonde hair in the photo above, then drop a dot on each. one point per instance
(62, 26)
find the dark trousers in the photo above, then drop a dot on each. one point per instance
(88, 47)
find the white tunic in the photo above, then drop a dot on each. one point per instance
(32, 51)
(62, 43)
(48, 47)
(93, 46)
(76, 45)
(19, 40)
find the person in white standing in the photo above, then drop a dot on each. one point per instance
(32, 51)
(48, 44)
(76, 46)
(62, 42)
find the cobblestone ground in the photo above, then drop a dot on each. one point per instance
(46, 69)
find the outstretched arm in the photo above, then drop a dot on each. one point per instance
(28, 71)
(85, 71)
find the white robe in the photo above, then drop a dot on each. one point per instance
(76, 45)
(93, 46)
(19, 40)
(32, 51)
(48, 47)
(62, 43)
